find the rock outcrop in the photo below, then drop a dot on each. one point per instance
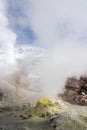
(76, 91)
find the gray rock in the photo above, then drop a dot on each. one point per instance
(68, 121)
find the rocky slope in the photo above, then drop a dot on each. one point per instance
(47, 114)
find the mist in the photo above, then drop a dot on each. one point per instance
(41, 68)
(7, 39)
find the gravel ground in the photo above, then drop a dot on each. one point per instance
(21, 118)
(13, 119)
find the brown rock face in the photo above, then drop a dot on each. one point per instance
(76, 90)
(72, 83)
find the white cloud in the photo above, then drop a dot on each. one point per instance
(53, 20)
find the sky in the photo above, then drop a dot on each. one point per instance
(48, 22)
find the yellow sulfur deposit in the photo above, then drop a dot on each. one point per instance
(47, 101)
(47, 107)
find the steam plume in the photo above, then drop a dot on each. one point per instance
(61, 29)
(7, 36)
